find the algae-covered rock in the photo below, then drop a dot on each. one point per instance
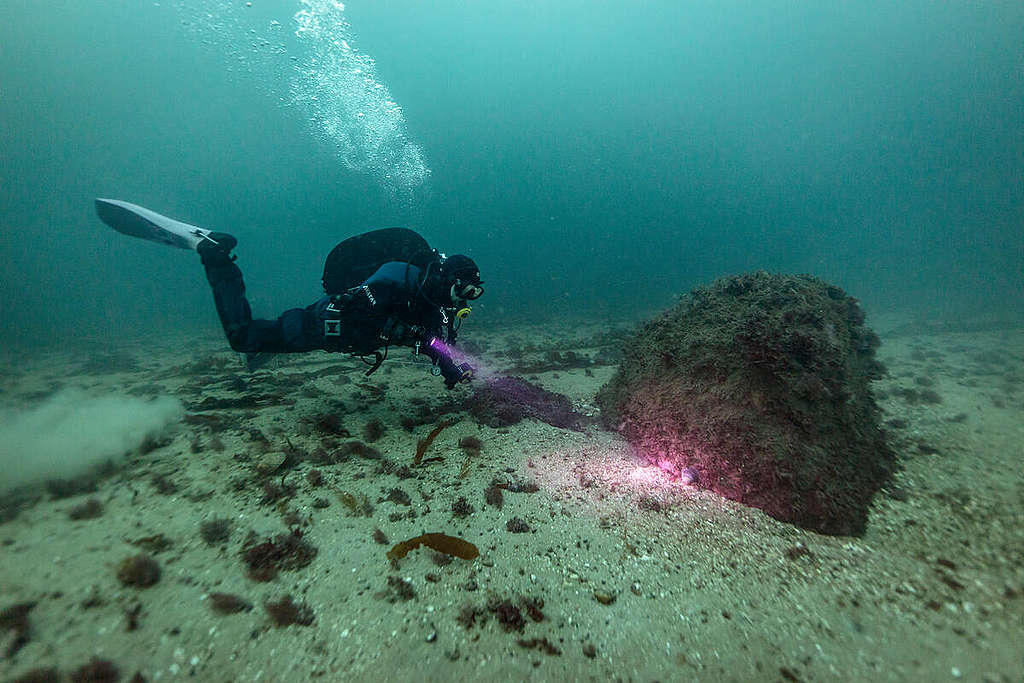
(759, 388)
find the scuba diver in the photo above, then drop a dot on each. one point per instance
(383, 288)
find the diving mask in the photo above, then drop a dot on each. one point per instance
(466, 291)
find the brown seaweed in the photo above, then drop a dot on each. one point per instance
(138, 571)
(216, 531)
(462, 508)
(96, 671)
(286, 612)
(439, 542)
(398, 590)
(90, 509)
(471, 444)
(227, 603)
(424, 444)
(373, 430)
(286, 552)
(358, 506)
(15, 620)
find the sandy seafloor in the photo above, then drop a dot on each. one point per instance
(697, 587)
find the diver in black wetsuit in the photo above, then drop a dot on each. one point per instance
(399, 303)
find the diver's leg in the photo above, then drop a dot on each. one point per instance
(225, 277)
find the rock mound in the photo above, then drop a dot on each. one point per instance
(759, 388)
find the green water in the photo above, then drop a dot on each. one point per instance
(596, 158)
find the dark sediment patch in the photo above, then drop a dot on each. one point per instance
(508, 400)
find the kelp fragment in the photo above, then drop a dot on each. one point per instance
(439, 542)
(424, 444)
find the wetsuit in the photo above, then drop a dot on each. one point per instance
(388, 308)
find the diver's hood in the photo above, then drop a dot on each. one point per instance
(460, 267)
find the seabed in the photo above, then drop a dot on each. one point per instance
(596, 565)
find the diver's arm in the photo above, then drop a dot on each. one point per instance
(451, 367)
(393, 288)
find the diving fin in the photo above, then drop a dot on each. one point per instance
(139, 221)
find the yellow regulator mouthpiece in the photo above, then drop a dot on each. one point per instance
(463, 313)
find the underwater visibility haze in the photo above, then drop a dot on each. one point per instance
(596, 157)
(715, 239)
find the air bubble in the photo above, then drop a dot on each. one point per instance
(323, 78)
(348, 107)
